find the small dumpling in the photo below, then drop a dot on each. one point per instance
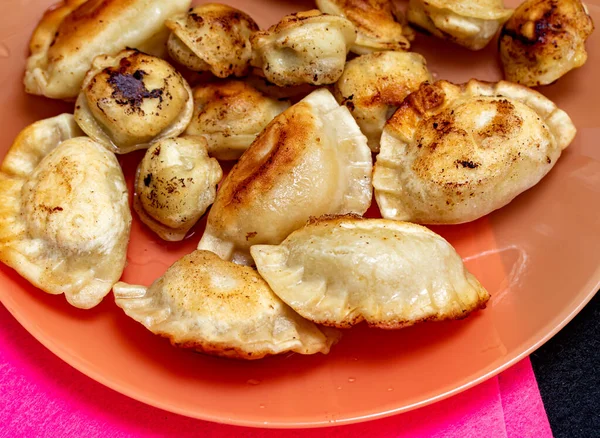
(454, 153)
(340, 271)
(131, 100)
(230, 114)
(310, 160)
(543, 40)
(220, 308)
(472, 24)
(71, 34)
(373, 86)
(304, 48)
(379, 23)
(212, 37)
(175, 183)
(64, 213)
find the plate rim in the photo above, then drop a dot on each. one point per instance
(487, 373)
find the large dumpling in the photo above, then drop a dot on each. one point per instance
(453, 153)
(470, 23)
(543, 40)
(175, 183)
(230, 114)
(220, 308)
(339, 271)
(304, 48)
(64, 214)
(70, 35)
(373, 86)
(379, 23)
(212, 37)
(132, 99)
(310, 160)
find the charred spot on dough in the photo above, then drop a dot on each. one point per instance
(129, 89)
(467, 164)
(251, 235)
(148, 180)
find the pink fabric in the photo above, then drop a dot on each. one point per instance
(43, 397)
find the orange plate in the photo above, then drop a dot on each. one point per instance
(539, 257)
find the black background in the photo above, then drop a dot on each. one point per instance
(568, 373)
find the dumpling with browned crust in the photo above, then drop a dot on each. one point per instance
(175, 183)
(380, 24)
(454, 153)
(472, 24)
(310, 160)
(340, 271)
(230, 114)
(130, 100)
(373, 86)
(304, 48)
(72, 33)
(64, 212)
(212, 37)
(543, 40)
(217, 307)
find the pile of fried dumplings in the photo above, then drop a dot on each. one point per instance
(321, 111)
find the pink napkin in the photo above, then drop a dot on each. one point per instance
(42, 396)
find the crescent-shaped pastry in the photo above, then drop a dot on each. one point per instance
(310, 160)
(471, 24)
(64, 214)
(380, 24)
(72, 33)
(220, 308)
(212, 37)
(230, 114)
(130, 100)
(175, 183)
(303, 48)
(543, 40)
(339, 271)
(454, 153)
(373, 86)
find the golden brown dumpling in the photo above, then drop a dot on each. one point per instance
(304, 48)
(543, 40)
(64, 214)
(175, 183)
(374, 85)
(453, 153)
(71, 34)
(379, 23)
(471, 24)
(212, 37)
(229, 115)
(339, 271)
(219, 308)
(131, 100)
(310, 160)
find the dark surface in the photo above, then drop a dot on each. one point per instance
(568, 375)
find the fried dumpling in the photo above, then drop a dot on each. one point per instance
(212, 37)
(304, 48)
(229, 115)
(64, 214)
(175, 183)
(340, 271)
(373, 86)
(217, 307)
(379, 23)
(131, 100)
(71, 34)
(543, 40)
(310, 160)
(471, 24)
(453, 153)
